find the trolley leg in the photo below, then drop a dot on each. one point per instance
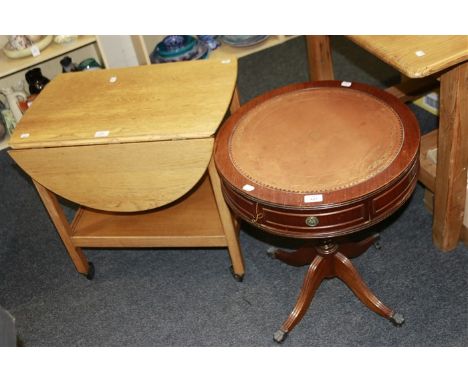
(63, 228)
(227, 222)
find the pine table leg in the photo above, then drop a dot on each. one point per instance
(320, 58)
(452, 158)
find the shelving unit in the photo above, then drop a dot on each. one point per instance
(144, 45)
(10, 66)
(13, 70)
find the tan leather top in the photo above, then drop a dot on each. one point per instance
(316, 140)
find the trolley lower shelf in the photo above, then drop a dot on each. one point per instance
(192, 221)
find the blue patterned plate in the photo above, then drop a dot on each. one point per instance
(200, 51)
(174, 45)
(243, 40)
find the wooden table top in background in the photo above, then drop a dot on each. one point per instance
(416, 56)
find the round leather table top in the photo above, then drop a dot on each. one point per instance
(327, 142)
(316, 140)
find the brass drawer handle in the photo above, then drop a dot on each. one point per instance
(312, 221)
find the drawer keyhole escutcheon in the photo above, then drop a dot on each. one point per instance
(312, 221)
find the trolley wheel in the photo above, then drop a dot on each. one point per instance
(237, 277)
(90, 274)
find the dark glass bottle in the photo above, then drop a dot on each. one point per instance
(67, 65)
(36, 80)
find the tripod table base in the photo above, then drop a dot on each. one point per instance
(329, 259)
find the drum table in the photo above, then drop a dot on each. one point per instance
(321, 161)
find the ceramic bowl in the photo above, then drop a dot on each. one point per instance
(89, 64)
(210, 40)
(179, 50)
(174, 46)
(243, 40)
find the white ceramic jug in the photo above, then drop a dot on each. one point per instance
(12, 97)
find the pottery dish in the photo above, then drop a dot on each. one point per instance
(239, 41)
(178, 48)
(41, 45)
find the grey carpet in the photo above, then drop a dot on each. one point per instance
(187, 297)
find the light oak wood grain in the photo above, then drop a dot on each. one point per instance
(193, 221)
(63, 228)
(403, 52)
(452, 158)
(120, 177)
(228, 222)
(138, 182)
(235, 102)
(320, 58)
(147, 103)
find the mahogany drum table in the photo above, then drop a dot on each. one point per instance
(321, 161)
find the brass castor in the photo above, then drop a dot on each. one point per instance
(237, 277)
(397, 319)
(271, 252)
(280, 336)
